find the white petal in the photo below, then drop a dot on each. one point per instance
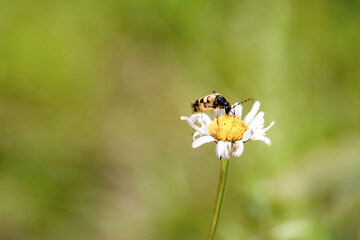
(202, 140)
(191, 123)
(262, 131)
(194, 117)
(204, 121)
(205, 118)
(220, 149)
(195, 135)
(218, 113)
(265, 140)
(258, 121)
(204, 124)
(205, 130)
(227, 150)
(268, 127)
(257, 132)
(252, 112)
(239, 148)
(223, 150)
(247, 135)
(259, 135)
(238, 110)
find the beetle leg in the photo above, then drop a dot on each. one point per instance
(231, 126)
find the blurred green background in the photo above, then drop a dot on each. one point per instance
(92, 146)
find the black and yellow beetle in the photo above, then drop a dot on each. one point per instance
(213, 101)
(210, 102)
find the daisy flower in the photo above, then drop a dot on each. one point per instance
(229, 132)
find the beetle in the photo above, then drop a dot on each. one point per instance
(212, 101)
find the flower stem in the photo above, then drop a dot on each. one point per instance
(219, 197)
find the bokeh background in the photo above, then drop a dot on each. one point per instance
(92, 146)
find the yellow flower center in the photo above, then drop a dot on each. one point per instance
(227, 128)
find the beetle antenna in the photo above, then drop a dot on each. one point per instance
(249, 99)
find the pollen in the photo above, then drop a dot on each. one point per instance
(227, 128)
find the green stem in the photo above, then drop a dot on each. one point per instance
(219, 197)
